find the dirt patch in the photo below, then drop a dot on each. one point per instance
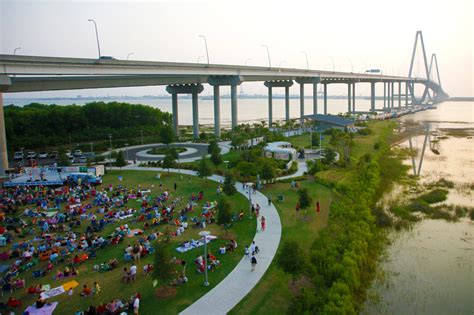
(298, 284)
(165, 292)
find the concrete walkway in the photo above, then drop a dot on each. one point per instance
(302, 167)
(240, 281)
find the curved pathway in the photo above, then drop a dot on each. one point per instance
(302, 167)
(198, 151)
(240, 281)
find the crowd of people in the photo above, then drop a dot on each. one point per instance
(52, 231)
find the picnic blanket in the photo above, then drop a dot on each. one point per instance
(4, 268)
(135, 232)
(70, 285)
(59, 290)
(47, 309)
(195, 244)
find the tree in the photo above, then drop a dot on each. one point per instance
(303, 198)
(120, 160)
(167, 135)
(224, 214)
(291, 258)
(268, 172)
(229, 184)
(169, 159)
(63, 159)
(204, 170)
(163, 267)
(216, 157)
(329, 156)
(212, 145)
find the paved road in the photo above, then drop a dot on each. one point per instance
(302, 167)
(230, 291)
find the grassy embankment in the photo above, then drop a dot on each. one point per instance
(112, 287)
(338, 189)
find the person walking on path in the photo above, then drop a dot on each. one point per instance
(257, 210)
(247, 252)
(269, 201)
(317, 206)
(253, 263)
(175, 186)
(262, 223)
(254, 248)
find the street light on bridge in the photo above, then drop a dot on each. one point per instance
(268, 54)
(129, 54)
(199, 59)
(205, 44)
(306, 55)
(14, 51)
(96, 35)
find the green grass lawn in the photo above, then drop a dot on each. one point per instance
(112, 287)
(272, 294)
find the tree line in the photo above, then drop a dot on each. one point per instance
(38, 125)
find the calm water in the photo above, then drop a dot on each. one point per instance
(429, 269)
(249, 110)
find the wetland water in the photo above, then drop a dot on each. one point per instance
(429, 268)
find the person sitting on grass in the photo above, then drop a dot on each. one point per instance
(86, 291)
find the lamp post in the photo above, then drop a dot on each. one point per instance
(307, 62)
(142, 134)
(332, 60)
(199, 59)
(205, 44)
(110, 150)
(126, 151)
(96, 35)
(14, 51)
(205, 234)
(226, 162)
(281, 62)
(250, 200)
(129, 54)
(268, 55)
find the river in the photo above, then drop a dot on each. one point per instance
(428, 269)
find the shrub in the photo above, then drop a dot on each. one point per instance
(434, 196)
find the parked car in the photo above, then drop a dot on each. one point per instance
(18, 155)
(83, 159)
(31, 163)
(43, 155)
(78, 153)
(31, 155)
(68, 153)
(54, 155)
(71, 159)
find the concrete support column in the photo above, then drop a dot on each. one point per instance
(325, 98)
(174, 110)
(393, 94)
(384, 95)
(315, 98)
(287, 103)
(3, 140)
(349, 97)
(372, 96)
(233, 105)
(399, 94)
(217, 112)
(388, 95)
(195, 116)
(301, 103)
(270, 107)
(406, 94)
(353, 97)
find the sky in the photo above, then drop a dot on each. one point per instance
(351, 35)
